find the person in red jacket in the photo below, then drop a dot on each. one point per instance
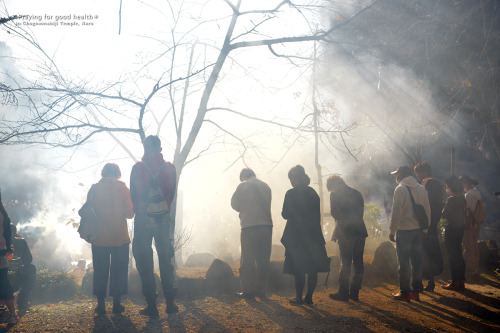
(152, 184)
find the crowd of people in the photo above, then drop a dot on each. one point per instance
(418, 207)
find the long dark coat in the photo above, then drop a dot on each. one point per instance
(432, 261)
(303, 239)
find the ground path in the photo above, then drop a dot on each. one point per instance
(475, 310)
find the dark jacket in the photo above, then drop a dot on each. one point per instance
(435, 193)
(454, 212)
(347, 208)
(140, 178)
(303, 238)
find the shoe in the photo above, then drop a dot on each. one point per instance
(308, 300)
(296, 301)
(339, 297)
(151, 311)
(13, 318)
(246, 295)
(118, 308)
(461, 285)
(415, 296)
(451, 286)
(100, 309)
(172, 308)
(401, 297)
(430, 286)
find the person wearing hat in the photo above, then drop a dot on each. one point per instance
(471, 233)
(454, 213)
(406, 231)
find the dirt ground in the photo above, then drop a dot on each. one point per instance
(475, 310)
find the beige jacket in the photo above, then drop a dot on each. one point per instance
(402, 217)
(252, 199)
(113, 207)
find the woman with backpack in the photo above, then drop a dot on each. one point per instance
(471, 233)
(110, 251)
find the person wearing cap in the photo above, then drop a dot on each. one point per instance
(454, 214)
(406, 231)
(471, 234)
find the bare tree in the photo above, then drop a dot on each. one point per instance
(67, 112)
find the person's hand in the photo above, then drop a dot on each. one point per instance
(391, 237)
(424, 234)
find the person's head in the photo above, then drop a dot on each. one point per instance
(246, 174)
(111, 170)
(401, 172)
(334, 182)
(297, 176)
(423, 170)
(152, 144)
(468, 182)
(454, 185)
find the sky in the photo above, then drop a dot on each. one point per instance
(252, 82)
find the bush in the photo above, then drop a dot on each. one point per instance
(53, 286)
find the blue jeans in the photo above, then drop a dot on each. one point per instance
(409, 250)
(143, 254)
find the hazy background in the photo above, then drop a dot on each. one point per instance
(394, 106)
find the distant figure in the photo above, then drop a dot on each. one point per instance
(471, 231)
(305, 251)
(6, 291)
(252, 200)
(454, 214)
(152, 187)
(406, 231)
(26, 275)
(110, 251)
(432, 260)
(347, 208)
(79, 271)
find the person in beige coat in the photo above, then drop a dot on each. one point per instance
(110, 251)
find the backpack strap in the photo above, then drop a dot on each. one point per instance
(411, 195)
(151, 173)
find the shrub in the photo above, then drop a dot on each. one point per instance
(53, 286)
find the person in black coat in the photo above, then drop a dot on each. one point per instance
(347, 208)
(305, 251)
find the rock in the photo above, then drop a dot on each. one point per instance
(385, 263)
(191, 286)
(199, 260)
(220, 278)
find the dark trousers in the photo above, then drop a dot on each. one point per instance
(110, 262)
(410, 251)
(255, 255)
(144, 233)
(453, 241)
(351, 252)
(6, 292)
